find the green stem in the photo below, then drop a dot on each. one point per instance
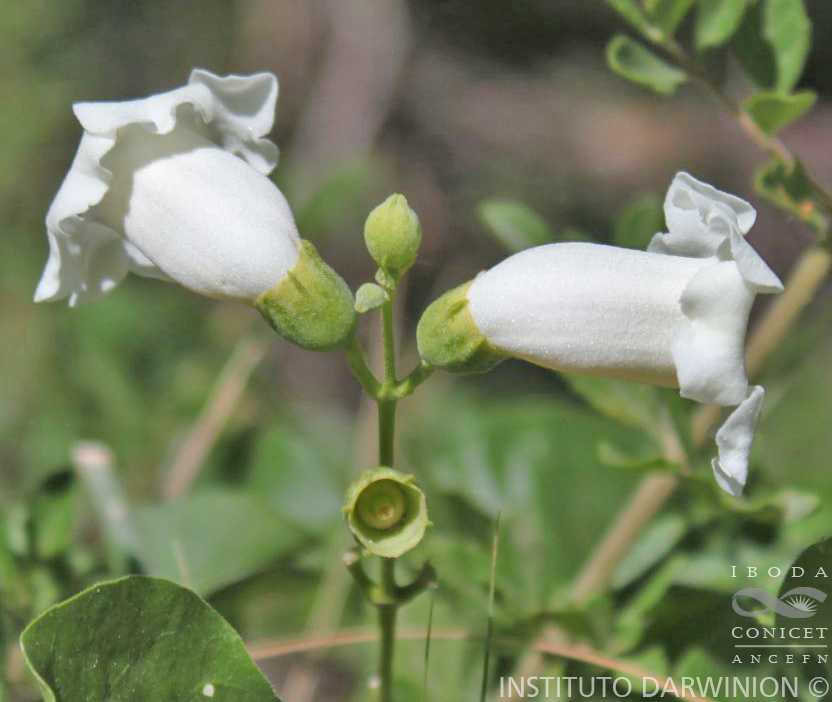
(386, 431)
(387, 623)
(388, 341)
(359, 367)
(386, 441)
(414, 379)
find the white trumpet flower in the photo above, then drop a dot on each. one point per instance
(675, 315)
(174, 186)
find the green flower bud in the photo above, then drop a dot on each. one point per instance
(449, 339)
(312, 307)
(386, 512)
(393, 234)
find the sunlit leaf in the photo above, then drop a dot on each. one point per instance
(788, 30)
(637, 63)
(139, 639)
(774, 111)
(514, 225)
(717, 21)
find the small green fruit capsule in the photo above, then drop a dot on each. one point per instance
(393, 234)
(312, 307)
(448, 337)
(386, 512)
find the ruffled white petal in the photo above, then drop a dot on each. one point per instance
(734, 443)
(89, 255)
(704, 222)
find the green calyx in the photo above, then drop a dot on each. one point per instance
(448, 337)
(386, 512)
(393, 234)
(312, 307)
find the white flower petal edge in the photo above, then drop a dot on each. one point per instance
(675, 315)
(734, 443)
(173, 186)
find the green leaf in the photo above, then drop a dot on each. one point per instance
(790, 189)
(753, 51)
(638, 64)
(667, 15)
(636, 224)
(632, 13)
(717, 21)
(139, 639)
(514, 225)
(774, 111)
(788, 30)
(212, 538)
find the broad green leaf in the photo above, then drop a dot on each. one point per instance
(774, 111)
(636, 224)
(138, 639)
(667, 15)
(211, 539)
(637, 63)
(790, 189)
(788, 30)
(632, 12)
(514, 225)
(717, 21)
